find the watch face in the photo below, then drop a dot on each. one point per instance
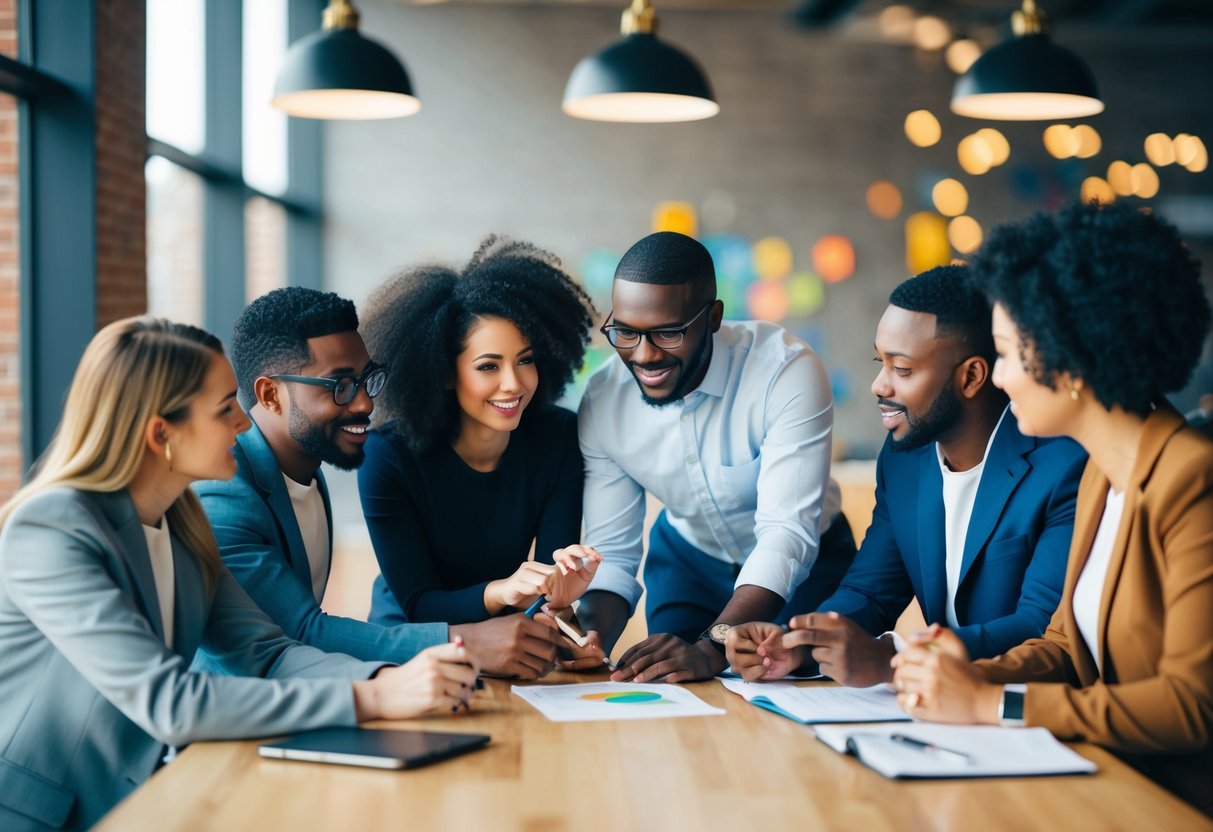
(719, 632)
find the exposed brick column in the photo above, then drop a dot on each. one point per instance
(10, 273)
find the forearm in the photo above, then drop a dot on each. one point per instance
(605, 612)
(751, 603)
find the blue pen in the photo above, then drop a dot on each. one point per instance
(535, 607)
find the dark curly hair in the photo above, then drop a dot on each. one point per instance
(961, 309)
(271, 333)
(1107, 293)
(418, 322)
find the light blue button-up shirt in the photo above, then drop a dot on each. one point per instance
(741, 465)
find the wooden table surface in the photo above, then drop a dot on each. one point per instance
(747, 770)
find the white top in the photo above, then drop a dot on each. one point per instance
(314, 528)
(1088, 592)
(742, 463)
(959, 496)
(160, 550)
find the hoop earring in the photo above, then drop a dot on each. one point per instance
(168, 454)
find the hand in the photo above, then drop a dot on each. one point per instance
(756, 651)
(936, 682)
(441, 679)
(841, 648)
(529, 581)
(513, 645)
(575, 568)
(591, 657)
(667, 658)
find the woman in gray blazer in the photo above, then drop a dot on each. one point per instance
(110, 581)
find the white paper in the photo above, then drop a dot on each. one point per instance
(993, 751)
(823, 703)
(597, 701)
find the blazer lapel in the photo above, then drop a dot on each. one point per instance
(323, 486)
(268, 478)
(189, 610)
(932, 544)
(133, 551)
(1005, 467)
(1092, 495)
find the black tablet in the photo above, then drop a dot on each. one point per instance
(373, 748)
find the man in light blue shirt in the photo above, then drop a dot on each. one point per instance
(729, 426)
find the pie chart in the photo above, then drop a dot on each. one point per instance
(639, 697)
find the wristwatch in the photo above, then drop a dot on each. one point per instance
(716, 635)
(1010, 709)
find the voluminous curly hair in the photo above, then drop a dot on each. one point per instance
(418, 321)
(1106, 293)
(272, 332)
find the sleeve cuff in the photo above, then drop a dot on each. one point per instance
(899, 643)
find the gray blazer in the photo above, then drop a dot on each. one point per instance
(91, 695)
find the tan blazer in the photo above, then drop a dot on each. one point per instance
(1153, 703)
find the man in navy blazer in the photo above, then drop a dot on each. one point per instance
(972, 518)
(307, 381)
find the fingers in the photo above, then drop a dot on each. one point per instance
(576, 557)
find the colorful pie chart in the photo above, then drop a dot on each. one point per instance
(629, 698)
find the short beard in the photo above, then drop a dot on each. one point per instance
(684, 380)
(939, 418)
(316, 443)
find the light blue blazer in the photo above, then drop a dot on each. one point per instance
(259, 538)
(90, 695)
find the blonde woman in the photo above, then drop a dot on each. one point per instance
(110, 581)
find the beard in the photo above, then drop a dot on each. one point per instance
(685, 379)
(317, 440)
(940, 417)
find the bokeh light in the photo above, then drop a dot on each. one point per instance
(922, 128)
(1000, 148)
(1061, 141)
(974, 155)
(961, 54)
(950, 197)
(1160, 150)
(772, 258)
(675, 216)
(1097, 189)
(1200, 162)
(884, 199)
(768, 301)
(965, 234)
(1185, 148)
(897, 22)
(834, 258)
(1144, 181)
(1089, 142)
(597, 271)
(806, 294)
(1120, 178)
(926, 242)
(931, 33)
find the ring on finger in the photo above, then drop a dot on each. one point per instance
(912, 700)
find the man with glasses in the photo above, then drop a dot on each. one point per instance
(972, 518)
(307, 382)
(728, 425)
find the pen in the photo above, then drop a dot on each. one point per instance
(931, 748)
(458, 640)
(534, 608)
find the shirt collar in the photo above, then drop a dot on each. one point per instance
(714, 381)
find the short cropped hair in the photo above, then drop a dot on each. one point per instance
(418, 322)
(272, 332)
(1109, 294)
(668, 259)
(960, 307)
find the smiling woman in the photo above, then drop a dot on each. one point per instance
(471, 463)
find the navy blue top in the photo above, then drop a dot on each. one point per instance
(442, 530)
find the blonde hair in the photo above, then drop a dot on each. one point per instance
(133, 370)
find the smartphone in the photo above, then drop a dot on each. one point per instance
(571, 630)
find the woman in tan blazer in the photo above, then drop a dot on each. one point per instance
(1099, 311)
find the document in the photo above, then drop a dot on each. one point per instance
(821, 703)
(930, 750)
(596, 701)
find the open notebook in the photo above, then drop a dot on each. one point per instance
(923, 749)
(813, 704)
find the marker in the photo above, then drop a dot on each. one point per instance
(931, 748)
(535, 607)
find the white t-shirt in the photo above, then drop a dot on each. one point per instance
(160, 550)
(959, 496)
(314, 528)
(1088, 592)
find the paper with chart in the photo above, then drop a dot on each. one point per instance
(821, 703)
(597, 701)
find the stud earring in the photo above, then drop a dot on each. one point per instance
(1074, 393)
(168, 454)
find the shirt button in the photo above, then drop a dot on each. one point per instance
(691, 458)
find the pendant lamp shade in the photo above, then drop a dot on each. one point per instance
(337, 73)
(639, 78)
(1027, 78)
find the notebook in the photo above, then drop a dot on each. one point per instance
(931, 750)
(373, 748)
(821, 703)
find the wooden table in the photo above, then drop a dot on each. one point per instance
(747, 770)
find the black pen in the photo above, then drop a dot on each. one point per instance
(932, 748)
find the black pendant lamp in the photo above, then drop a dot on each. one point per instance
(1027, 78)
(337, 73)
(639, 78)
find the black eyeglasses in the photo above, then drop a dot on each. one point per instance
(665, 338)
(344, 389)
